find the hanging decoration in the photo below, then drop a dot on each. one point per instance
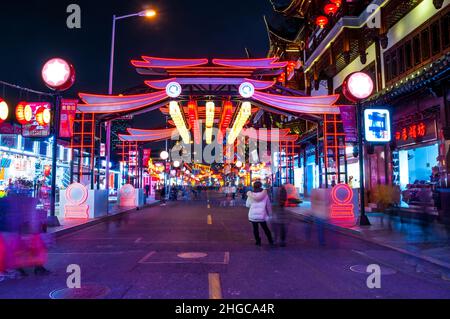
(24, 113)
(330, 9)
(321, 21)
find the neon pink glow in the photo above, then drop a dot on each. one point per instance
(161, 84)
(58, 74)
(297, 105)
(360, 85)
(342, 207)
(108, 104)
(127, 196)
(266, 63)
(164, 63)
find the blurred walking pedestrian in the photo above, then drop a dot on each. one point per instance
(260, 209)
(280, 220)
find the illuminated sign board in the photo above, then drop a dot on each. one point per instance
(377, 125)
(34, 128)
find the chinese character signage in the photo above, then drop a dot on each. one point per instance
(377, 125)
(418, 131)
(37, 127)
(68, 111)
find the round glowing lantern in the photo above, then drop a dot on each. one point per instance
(43, 116)
(24, 113)
(58, 74)
(164, 155)
(357, 86)
(321, 21)
(338, 3)
(4, 111)
(330, 9)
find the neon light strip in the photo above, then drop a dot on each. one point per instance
(118, 107)
(244, 113)
(209, 122)
(178, 119)
(266, 63)
(165, 63)
(161, 84)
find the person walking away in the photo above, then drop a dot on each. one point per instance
(280, 219)
(162, 193)
(147, 190)
(260, 209)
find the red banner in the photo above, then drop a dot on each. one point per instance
(68, 111)
(146, 156)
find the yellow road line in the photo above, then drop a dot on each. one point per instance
(209, 219)
(215, 290)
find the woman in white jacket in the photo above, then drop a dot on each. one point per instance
(260, 209)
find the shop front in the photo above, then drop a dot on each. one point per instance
(416, 162)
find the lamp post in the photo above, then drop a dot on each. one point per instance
(357, 87)
(146, 13)
(58, 75)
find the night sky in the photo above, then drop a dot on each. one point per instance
(32, 31)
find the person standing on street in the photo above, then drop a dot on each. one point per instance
(260, 209)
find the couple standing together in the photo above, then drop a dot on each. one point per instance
(261, 211)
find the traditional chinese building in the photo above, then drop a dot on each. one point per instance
(404, 46)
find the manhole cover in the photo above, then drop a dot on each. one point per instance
(88, 291)
(192, 255)
(362, 269)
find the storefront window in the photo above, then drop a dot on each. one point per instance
(416, 170)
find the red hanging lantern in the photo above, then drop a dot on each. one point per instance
(47, 170)
(337, 2)
(43, 116)
(24, 113)
(330, 9)
(321, 21)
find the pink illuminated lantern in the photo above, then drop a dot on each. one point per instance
(58, 74)
(4, 111)
(357, 86)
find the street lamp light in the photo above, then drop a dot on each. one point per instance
(357, 87)
(146, 13)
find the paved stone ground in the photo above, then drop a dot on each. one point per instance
(137, 257)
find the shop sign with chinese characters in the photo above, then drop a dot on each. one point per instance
(421, 131)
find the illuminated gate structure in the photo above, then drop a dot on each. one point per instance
(227, 94)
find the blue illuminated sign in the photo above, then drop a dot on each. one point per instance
(377, 125)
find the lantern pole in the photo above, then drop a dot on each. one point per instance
(53, 219)
(363, 220)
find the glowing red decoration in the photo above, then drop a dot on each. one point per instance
(58, 74)
(357, 86)
(330, 9)
(338, 3)
(321, 21)
(43, 116)
(47, 170)
(411, 132)
(24, 113)
(342, 206)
